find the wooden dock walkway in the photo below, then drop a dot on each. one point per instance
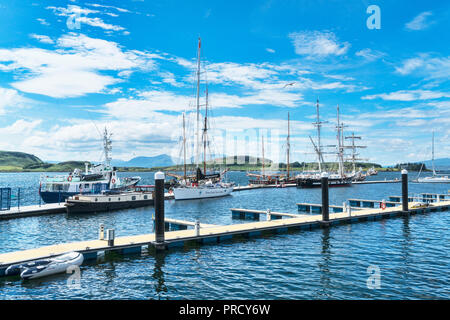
(213, 234)
(35, 210)
(377, 181)
(262, 186)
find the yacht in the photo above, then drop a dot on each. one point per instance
(435, 178)
(201, 185)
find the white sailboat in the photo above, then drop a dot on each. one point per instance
(435, 178)
(202, 185)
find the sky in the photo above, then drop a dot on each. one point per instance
(68, 69)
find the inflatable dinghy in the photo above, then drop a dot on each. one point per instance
(16, 269)
(46, 267)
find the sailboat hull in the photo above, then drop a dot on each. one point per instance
(434, 180)
(190, 193)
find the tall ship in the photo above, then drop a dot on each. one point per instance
(435, 178)
(340, 178)
(95, 179)
(201, 184)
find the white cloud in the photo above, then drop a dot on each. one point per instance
(42, 38)
(10, 100)
(21, 127)
(316, 44)
(408, 95)
(419, 22)
(104, 6)
(43, 21)
(270, 50)
(97, 22)
(73, 69)
(369, 54)
(169, 77)
(81, 16)
(427, 66)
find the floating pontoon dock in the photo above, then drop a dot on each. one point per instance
(215, 234)
(39, 210)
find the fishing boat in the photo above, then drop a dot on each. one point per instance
(201, 185)
(94, 180)
(141, 196)
(45, 267)
(435, 178)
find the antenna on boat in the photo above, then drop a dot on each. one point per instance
(107, 147)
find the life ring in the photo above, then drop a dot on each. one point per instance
(383, 205)
(69, 178)
(113, 181)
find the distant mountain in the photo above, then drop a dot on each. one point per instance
(163, 160)
(440, 164)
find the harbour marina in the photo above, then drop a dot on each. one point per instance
(281, 222)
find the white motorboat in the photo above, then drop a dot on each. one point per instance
(208, 190)
(45, 267)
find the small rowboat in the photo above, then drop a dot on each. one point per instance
(45, 267)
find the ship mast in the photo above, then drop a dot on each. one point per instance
(353, 158)
(205, 130)
(288, 146)
(184, 146)
(432, 155)
(198, 104)
(262, 142)
(318, 147)
(340, 134)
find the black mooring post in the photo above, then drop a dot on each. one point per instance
(159, 207)
(404, 190)
(325, 202)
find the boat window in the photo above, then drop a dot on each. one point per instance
(133, 198)
(109, 199)
(145, 197)
(86, 185)
(96, 199)
(119, 199)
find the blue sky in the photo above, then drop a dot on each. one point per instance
(69, 68)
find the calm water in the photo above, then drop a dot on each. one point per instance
(412, 253)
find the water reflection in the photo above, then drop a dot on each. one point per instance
(158, 274)
(324, 264)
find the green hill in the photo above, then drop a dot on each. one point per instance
(19, 161)
(11, 160)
